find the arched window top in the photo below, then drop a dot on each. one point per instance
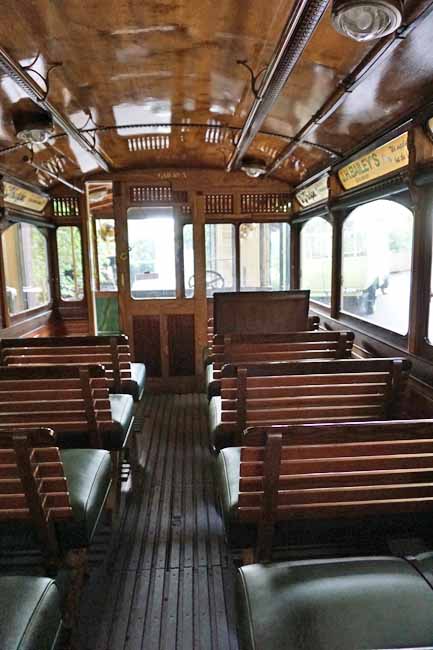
(376, 264)
(25, 259)
(316, 259)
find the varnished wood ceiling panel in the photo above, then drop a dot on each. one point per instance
(175, 62)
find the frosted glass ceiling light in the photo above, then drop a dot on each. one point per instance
(253, 168)
(365, 20)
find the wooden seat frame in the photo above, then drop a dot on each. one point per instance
(110, 351)
(353, 469)
(311, 391)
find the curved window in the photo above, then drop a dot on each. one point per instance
(376, 264)
(25, 258)
(70, 260)
(316, 259)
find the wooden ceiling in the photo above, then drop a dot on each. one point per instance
(164, 89)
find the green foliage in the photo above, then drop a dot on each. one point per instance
(70, 262)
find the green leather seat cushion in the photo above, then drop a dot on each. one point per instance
(213, 387)
(347, 604)
(218, 438)
(30, 615)
(138, 380)
(227, 476)
(122, 410)
(227, 469)
(88, 472)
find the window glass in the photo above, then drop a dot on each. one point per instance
(376, 264)
(220, 257)
(151, 253)
(188, 260)
(25, 255)
(316, 259)
(264, 251)
(106, 252)
(70, 263)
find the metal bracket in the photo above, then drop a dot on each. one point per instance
(254, 77)
(45, 80)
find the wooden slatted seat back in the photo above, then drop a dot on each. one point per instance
(291, 346)
(334, 470)
(216, 340)
(33, 486)
(111, 351)
(68, 399)
(311, 391)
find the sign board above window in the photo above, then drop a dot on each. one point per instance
(314, 193)
(24, 198)
(381, 161)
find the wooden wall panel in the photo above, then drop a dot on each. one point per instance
(147, 343)
(181, 344)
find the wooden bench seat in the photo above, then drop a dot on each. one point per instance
(110, 351)
(305, 391)
(72, 400)
(249, 349)
(335, 472)
(58, 495)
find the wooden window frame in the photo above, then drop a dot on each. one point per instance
(59, 299)
(10, 320)
(297, 228)
(97, 278)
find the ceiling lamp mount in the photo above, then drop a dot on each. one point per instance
(366, 20)
(253, 167)
(33, 125)
(25, 81)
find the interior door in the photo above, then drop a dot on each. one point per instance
(157, 292)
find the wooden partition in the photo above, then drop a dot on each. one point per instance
(260, 312)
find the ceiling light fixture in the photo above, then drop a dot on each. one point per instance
(32, 124)
(365, 20)
(253, 168)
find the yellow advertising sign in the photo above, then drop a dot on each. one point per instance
(385, 159)
(23, 197)
(314, 193)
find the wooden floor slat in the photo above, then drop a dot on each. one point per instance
(167, 583)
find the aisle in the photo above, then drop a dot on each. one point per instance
(167, 582)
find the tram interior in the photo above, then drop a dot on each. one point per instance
(216, 333)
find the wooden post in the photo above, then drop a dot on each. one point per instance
(200, 299)
(271, 475)
(337, 227)
(87, 257)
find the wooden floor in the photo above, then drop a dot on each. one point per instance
(166, 581)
